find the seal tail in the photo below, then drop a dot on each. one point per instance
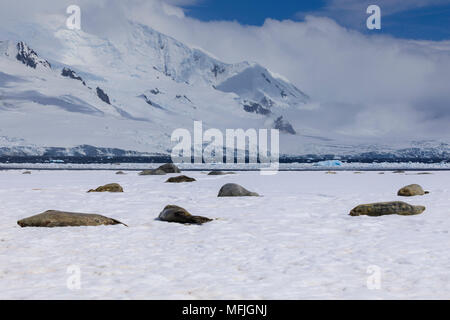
(119, 222)
(200, 220)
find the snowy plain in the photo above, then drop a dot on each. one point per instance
(297, 241)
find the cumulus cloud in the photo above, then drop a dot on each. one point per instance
(368, 85)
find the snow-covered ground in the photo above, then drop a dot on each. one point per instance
(295, 242)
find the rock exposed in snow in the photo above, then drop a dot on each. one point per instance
(151, 103)
(256, 108)
(103, 96)
(66, 72)
(28, 57)
(283, 126)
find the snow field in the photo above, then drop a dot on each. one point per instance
(297, 241)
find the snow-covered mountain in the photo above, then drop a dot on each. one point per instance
(132, 92)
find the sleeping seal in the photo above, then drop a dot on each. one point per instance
(235, 190)
(219, 173)
(162, 170)
(387, 208)
(411, 191)
(156, 172)
(169, 168)
(112, 187)
(53, 218)
(177, 214)
(180, 179)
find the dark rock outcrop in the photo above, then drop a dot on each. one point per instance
(29, 57)
(103, 96)
(283, 126)
(254, 107)
(151, 103)
(68, 73)
(216, 70)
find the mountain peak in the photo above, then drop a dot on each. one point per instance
(130, 82)
(23, 53)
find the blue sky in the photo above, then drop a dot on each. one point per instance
(412, 19)
(252, 12)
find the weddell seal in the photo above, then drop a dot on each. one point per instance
(177, 214)
(387, 208)
(219, 173)
(235, 190)
(53, 218)
(162, 170)
(156, 172)
(169, 168)
(411, 191)
(112, 187)
(180, 179)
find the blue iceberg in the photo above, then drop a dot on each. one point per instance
(328, 163)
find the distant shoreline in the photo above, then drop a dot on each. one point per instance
(283, 167)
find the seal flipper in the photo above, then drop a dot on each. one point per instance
(200, 219)
(184, 218)
(118, 222)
